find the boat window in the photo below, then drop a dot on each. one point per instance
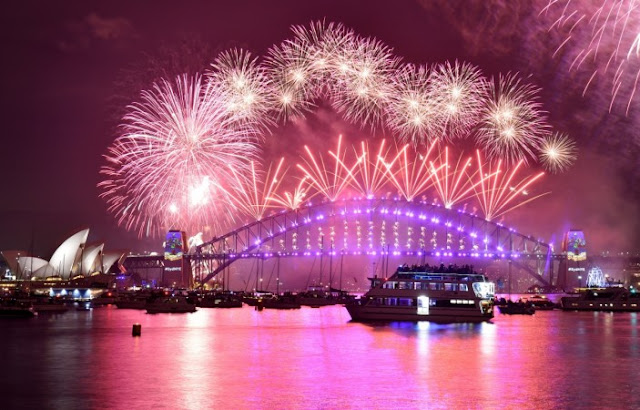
(450, 287)
(463, 287)
(417, 285)
(392, 301)
(432, 286)
(423, 305)
(391, 285)
(405, 302)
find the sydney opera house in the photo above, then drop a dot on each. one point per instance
(74, 258)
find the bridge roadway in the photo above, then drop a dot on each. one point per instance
(377, 227)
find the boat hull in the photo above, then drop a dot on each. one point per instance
(366, 313)
(17, 312)
(171, 309)
(131, 304)
(594, 306)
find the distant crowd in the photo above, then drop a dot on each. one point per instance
(451, 268)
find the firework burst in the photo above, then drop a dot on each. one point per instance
(501, 191)
(363, 69)
(292, 200)
(329, 182)
(558, 152)
(171, 166)
(244, 87)
(410, 112)
(369, 175)
(454, 182)
(603, 38)
(253, 197)
(512, 123)
(457, 90)
(410, 171)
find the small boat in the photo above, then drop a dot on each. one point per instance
(520, 307)
(133, 300)
(284, 301)
(541, 302)
(84, 306)
(612, 299)
(49, 305)
(424, 293)
(172, 304)
(219, 300)
(317, 296)
(256, 298)
(16, 308)
(105, 298)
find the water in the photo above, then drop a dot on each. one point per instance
(317, 359)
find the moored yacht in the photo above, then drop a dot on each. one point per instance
(613, 299)
(422, 293)
(172, 304)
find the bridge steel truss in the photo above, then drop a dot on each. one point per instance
(382, 227)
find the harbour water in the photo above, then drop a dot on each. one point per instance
(318, 359)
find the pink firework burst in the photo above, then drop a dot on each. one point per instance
(172, 165)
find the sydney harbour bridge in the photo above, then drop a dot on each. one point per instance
(382, 229)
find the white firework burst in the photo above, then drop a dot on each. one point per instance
(558, 152)
(512, 123)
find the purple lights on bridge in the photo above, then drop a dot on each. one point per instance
(374, 228)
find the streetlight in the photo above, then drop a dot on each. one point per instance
(579, 281)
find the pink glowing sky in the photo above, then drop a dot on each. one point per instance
(69, 70)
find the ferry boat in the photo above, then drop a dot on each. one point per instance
(612, 299)
(421, 295)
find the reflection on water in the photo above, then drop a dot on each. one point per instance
(316, 358)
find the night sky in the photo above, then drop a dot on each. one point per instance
(69, 69)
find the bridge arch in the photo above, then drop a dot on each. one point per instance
(372, 226)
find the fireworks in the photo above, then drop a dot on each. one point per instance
(363, 71)
(558, 152)
(177, 152)
(411, 172)
(512, 125)
(457, 90)
(454, 183)
(411, 111)
(244, 87)
(500, 191)
(369, 175)
(291, 199)
(603, 38)
(188, 149)
(331, 183)
(253, 196)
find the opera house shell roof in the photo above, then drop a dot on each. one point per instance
(73, 257)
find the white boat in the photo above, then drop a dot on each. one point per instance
(612, 299)
(420, 295)
(173, 304)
